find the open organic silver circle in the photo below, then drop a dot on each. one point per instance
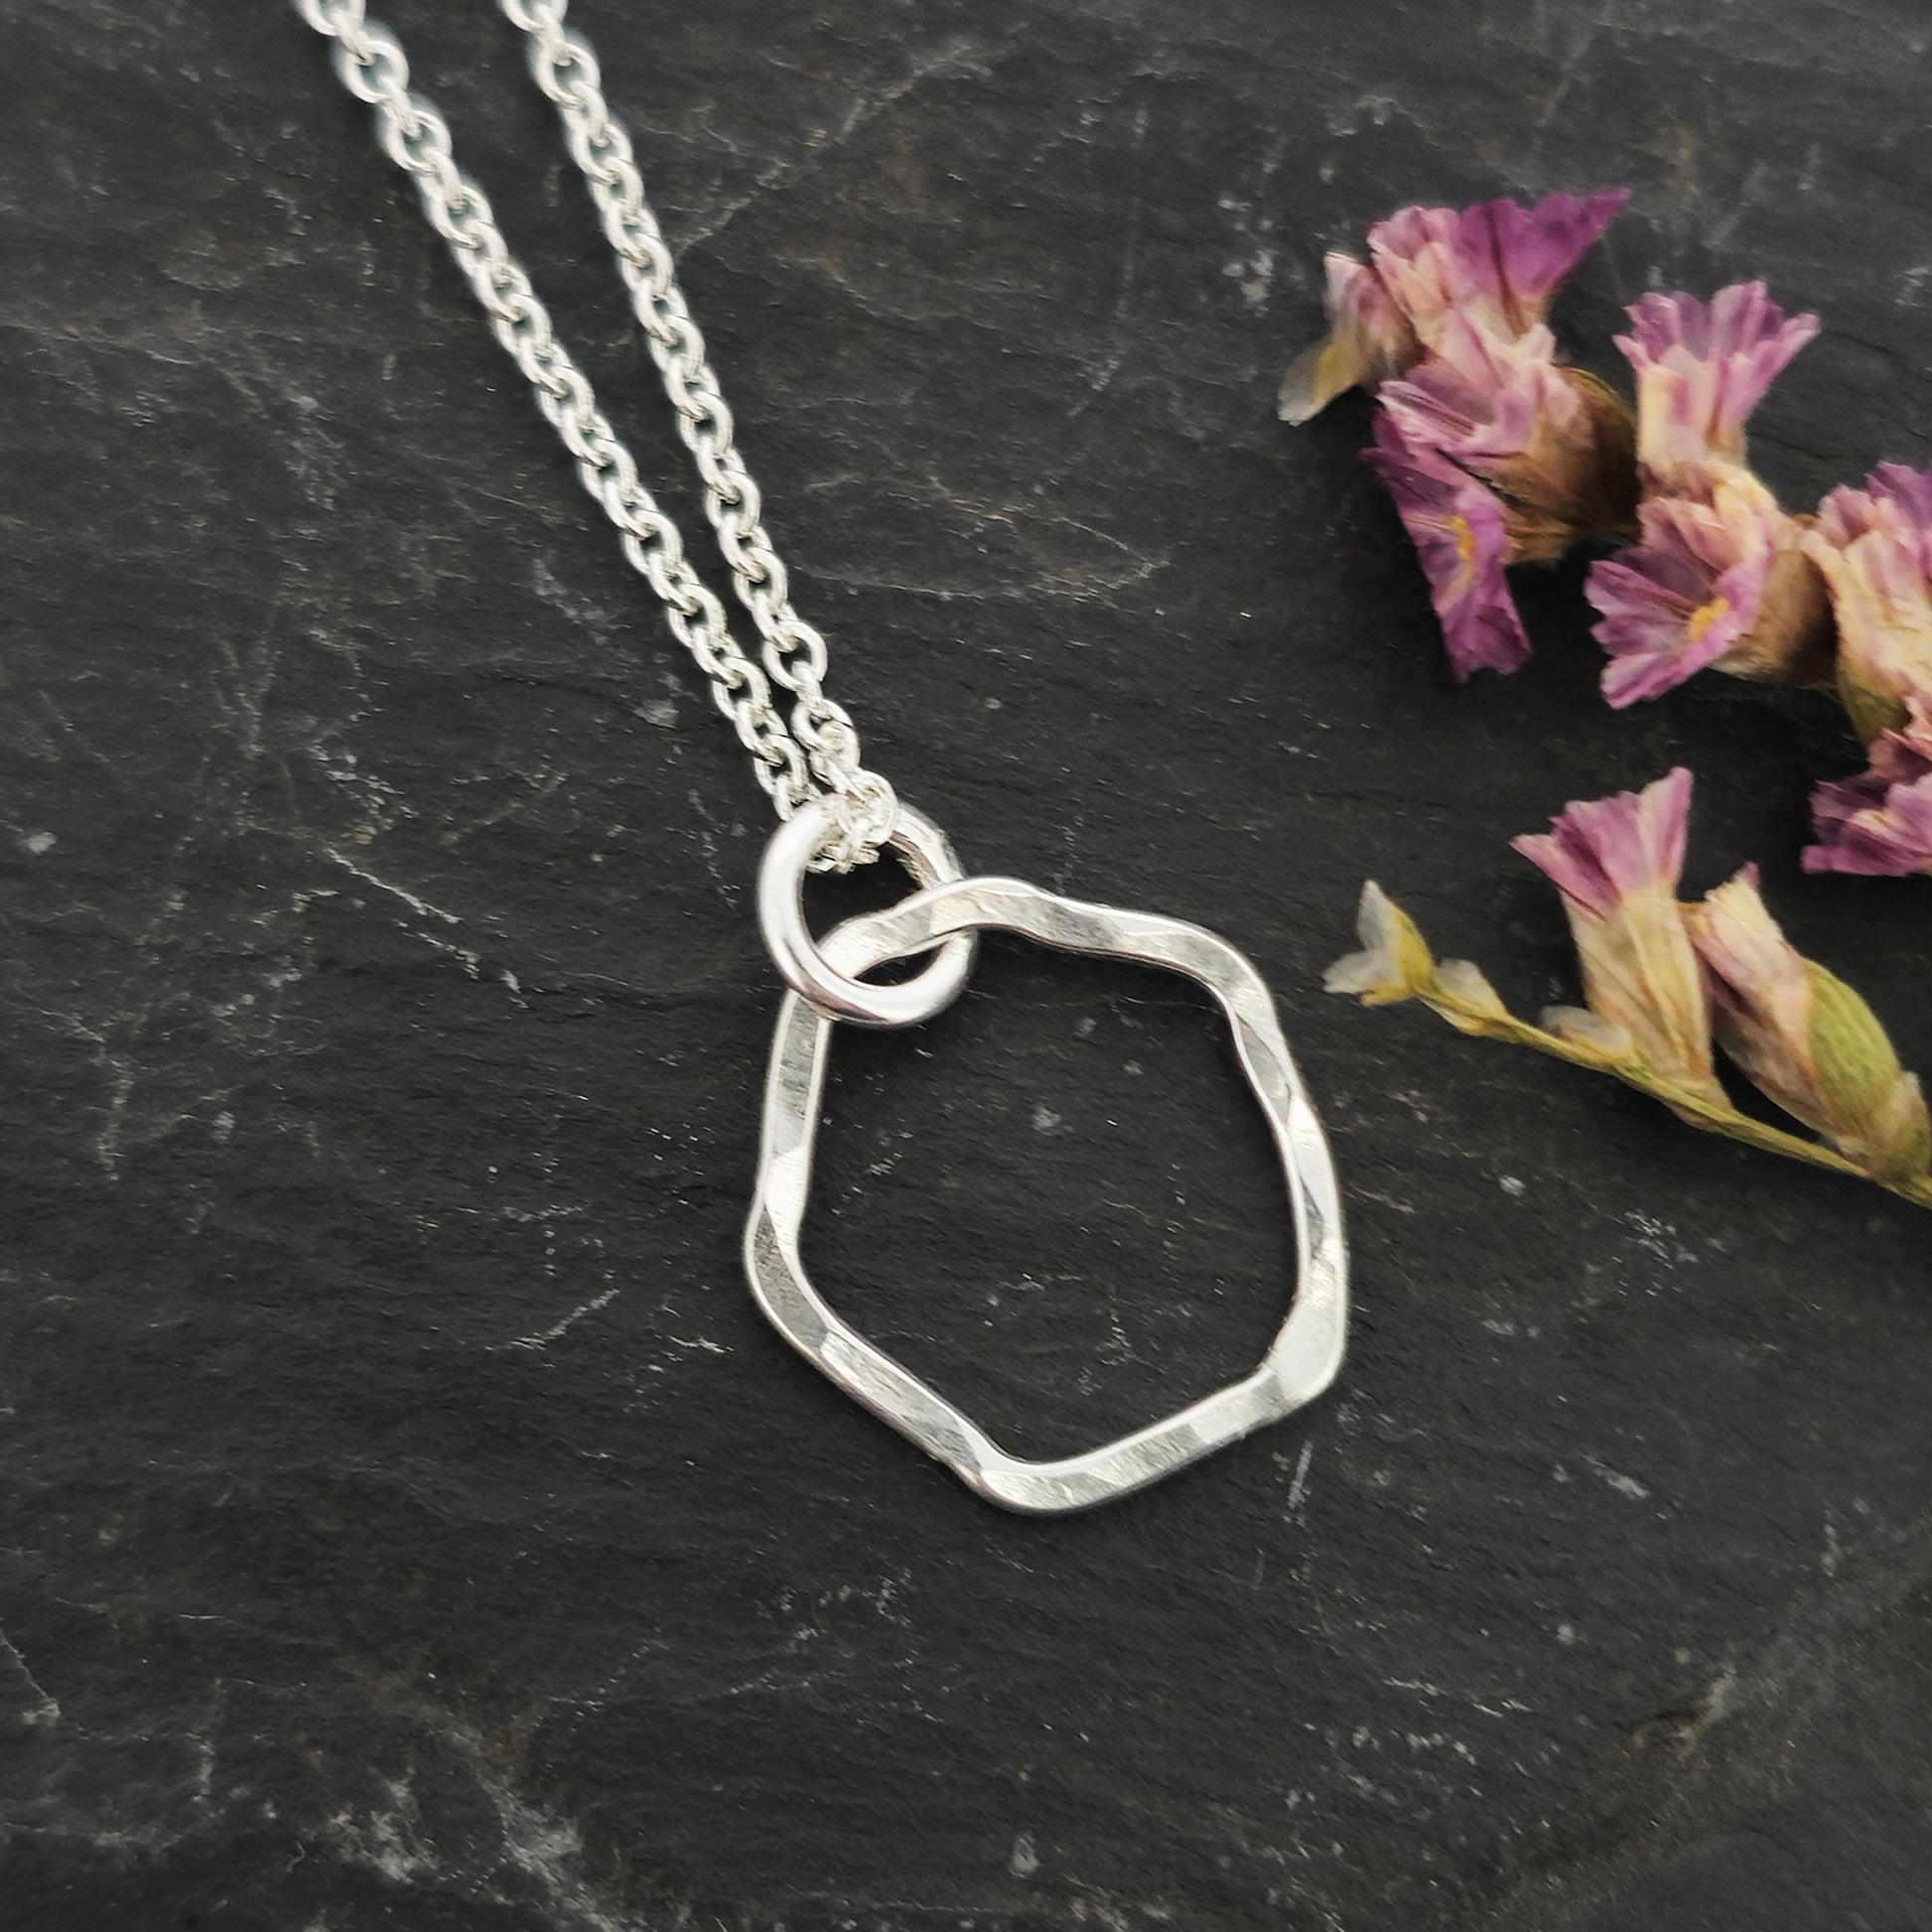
(1307, 1352)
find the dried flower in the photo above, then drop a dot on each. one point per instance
(1617, 862)
(1723, 583)
(1594, 1036)
(1460, 532)
(1495, 452)
(1803, 1038)
(1881, 822)
(1395, 962)
(1553, 443)
(1721, 576)
(1464, 995)
(1497, 263)
(1874, 548)
(1702, 369)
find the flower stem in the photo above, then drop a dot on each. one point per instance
(1492, 1024)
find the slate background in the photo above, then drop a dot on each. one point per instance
(408, 1519)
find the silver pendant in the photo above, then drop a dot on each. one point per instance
(943, 919)
(813, 745)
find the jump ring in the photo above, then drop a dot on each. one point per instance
(926, 853)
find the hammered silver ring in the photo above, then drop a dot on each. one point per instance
(1306, 1352)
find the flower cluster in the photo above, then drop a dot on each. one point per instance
(1668, 986)
(1497, 454)
(1495, 451)
(1720, 576)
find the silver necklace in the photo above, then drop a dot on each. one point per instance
(833, 812)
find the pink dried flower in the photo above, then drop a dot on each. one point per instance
(1479, 396)
(1879, 823)
(1682, 597)
(1461, 534)
(1617, 862)
(1552, 441)
(1721, 582)
(1496, 264)
(1804, 1038)
(1874, 548)
(1721, 576)
(1495, 452)
(1702, 369)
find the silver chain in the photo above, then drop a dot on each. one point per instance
(814, 753)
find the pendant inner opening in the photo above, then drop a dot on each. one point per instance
(1057, 1202)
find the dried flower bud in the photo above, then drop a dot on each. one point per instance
(1578, 1026)
(1464, 982)
(1395, 961)
(1617, 862)
(1803, 1038)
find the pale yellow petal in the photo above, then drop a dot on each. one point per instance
(1582, 1027)
(1394, 962)
(1465, 982)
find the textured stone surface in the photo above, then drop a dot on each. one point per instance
(407, 1519)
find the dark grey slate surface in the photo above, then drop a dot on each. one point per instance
(408, 1521)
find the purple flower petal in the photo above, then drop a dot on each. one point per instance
(1682, 597)
(1457, 527)
(1497, 263)
(1537, 249)
(1879, 823)
(1702, 369)
(1602, 851)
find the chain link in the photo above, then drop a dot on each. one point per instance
(815, 750)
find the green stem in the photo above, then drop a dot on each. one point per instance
(1469, 1017)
